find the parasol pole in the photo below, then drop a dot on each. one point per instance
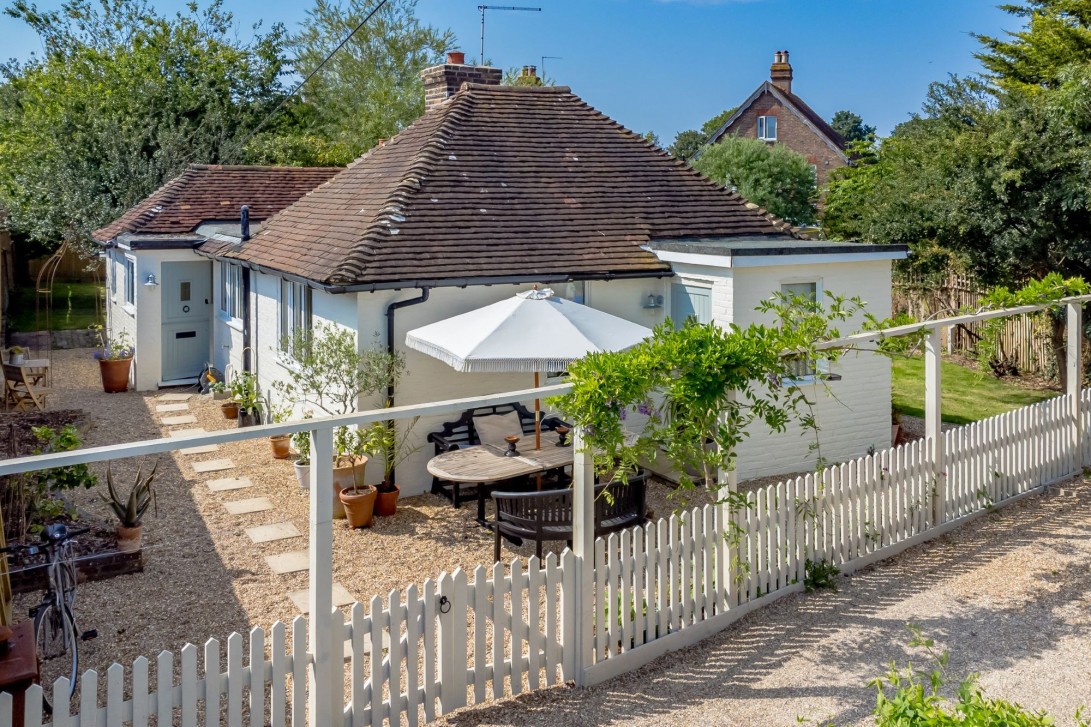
(537, 417)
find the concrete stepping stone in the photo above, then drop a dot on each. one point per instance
(269, 533)
(341, 597)
(229, 483)
(293, 562)
(161, 408)
(245, 507)
(184, 419)
(200, 449)
(174, 397)
(367, 645)
(213, 465)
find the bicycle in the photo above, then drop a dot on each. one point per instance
(55, 632)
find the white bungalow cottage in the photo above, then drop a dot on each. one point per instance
(493, 189)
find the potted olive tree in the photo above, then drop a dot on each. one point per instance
(130, 508)
(383, 440)
(330, 371)
(281, 444)
(356, 498)
(115, 359)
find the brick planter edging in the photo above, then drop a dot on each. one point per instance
(96, 567)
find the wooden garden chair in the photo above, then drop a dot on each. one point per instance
(21, 392)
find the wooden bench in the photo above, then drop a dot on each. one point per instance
(461, 433)
(547, 515)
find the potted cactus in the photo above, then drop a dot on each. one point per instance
(130, 509)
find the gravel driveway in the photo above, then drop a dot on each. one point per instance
(1009, 595)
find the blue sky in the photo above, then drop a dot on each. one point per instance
(668, 65)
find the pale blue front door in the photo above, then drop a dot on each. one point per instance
(187, 315)
(690, 301)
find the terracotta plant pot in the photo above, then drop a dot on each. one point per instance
(346, 476)
(303, 474)
(386, 504)
(129, 539)
(230, 410)
(115, 374)
(282, 446)
(359, 507)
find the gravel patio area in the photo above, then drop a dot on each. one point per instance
(204, 576)
(1009, 595)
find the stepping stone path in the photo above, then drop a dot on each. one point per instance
(293, 562)
(213, 465)
(269, 533)
(229, 483)
(171, 407)
(201, 449)
(341, 597)
(174, 397)
(245, 507)
(184, 419)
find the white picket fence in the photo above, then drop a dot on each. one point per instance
(469, 638)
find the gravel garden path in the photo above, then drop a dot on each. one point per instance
(1009, 595)
(205, 575)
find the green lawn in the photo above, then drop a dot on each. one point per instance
(968, 395)
(73, 307)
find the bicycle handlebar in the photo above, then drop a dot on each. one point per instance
(35, 549)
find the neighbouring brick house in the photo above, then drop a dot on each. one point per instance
(774, 113)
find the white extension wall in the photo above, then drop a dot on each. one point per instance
(143, 322)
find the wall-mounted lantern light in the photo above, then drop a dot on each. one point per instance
(151, 282)
(653, 301)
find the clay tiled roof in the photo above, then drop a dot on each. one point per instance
(204, 193)
(498, 182)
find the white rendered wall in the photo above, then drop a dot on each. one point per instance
(143, 322)
(854, 413)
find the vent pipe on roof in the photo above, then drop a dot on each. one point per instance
(244, 223)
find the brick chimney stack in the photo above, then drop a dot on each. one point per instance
(780, 73)
(442, 82)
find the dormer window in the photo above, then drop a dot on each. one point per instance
(767, 128)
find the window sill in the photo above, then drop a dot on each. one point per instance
(287, 363)
(129, 308)
(229, 321)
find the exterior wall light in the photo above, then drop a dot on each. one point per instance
(151, 282)
(653, 301)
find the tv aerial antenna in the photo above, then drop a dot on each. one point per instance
(544, 58)
(483, 8)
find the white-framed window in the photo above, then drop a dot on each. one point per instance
(129, 264)
(115, 272)
(295, 314)
(767, 128)
(575, 291)
(803, 370)
(231, 302)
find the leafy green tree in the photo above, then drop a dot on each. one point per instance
(688, 143)
(121, 100)
(771, 176)
(1055, 37)
(851, 127)
(371, 88)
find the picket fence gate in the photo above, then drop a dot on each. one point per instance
(466, 638)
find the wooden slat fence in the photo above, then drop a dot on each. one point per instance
(1024, 338)
(467, 638)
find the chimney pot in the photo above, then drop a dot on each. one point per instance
(780, 73)
(443, 81)
(529, 71)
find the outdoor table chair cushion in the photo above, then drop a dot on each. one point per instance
(492, 428)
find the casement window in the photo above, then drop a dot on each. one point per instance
(767, 128)
(231, 301)
(130, 280)
(295, 314)
(803, 370)
(115, 273)
(575, 291)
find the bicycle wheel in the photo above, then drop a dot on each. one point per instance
(58, 645)
(66, 575)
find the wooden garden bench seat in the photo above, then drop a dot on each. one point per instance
(21, 390)
(461, 433)
(547, 515)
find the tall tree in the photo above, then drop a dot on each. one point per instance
(121, 100)
(773, 177)
(851, 127)
(688, 143)
(1056, 36)
(370, 89)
